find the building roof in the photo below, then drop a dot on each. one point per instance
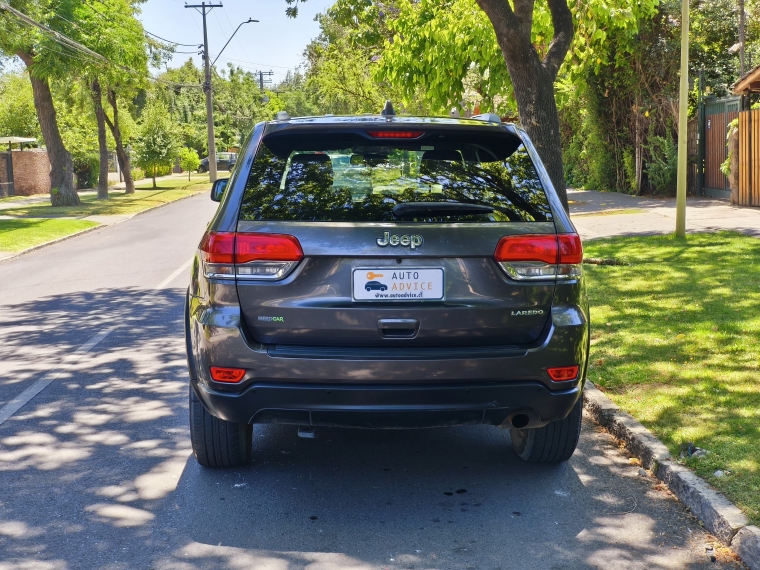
(748, 83)
(16, 140)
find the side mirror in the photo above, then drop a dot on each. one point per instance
(217, 190)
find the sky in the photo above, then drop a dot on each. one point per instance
(274, 44)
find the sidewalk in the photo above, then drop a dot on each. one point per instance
(607, 214)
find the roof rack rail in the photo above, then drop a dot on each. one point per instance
(488, 118)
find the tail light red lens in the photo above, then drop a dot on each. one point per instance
(527, 248)
(563, 373)
(249, 255)
(540, 257)
(570, 248)
(218, 247)
(229, 375)
(267, 247)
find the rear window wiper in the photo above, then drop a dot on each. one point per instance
(439, 209)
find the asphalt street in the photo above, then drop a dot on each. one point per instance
(96, 470)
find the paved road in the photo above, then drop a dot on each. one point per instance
(96, 472)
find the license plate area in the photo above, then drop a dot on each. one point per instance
(396, 284)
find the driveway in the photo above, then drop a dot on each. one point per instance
(607, 214)
(96, 469)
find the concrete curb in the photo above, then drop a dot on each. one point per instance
(718, 514)
(746, 544)
(94, 228)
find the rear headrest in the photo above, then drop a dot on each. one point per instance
(442, 155)
(310, 158)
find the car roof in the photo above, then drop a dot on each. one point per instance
(349, 122)
(371, 119)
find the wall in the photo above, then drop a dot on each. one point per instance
(31, 172)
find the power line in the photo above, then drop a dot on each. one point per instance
(169, 41)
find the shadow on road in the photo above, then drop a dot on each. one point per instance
(97, 473)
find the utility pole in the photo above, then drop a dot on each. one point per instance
(683, 123)
(204, 8)
(741, 38)
(262, 80)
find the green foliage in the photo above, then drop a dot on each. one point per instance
(18, 116)
(725, 166)
(449, 49)
(189, 160)
(87, 170)
(138, 174)
(238, 105)
(157, 143)
(663, 166)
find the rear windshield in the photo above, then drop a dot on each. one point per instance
(355, 178)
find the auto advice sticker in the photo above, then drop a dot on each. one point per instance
(396, 284)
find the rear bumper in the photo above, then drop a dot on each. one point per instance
(377, 388)
(395, 406)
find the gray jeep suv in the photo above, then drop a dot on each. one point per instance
(387, 272)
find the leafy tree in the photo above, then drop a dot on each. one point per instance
(18, 116)
(112, 30)
(157, 143)
(44, 59)
(518, 49)
(188, 160)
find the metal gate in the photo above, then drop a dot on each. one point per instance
(716, 114)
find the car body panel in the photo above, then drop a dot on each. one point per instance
(326, 340)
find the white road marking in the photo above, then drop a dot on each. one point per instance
(9, 409)
(172, 277)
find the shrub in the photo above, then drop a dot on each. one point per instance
(157, 143)
(662, 169)
(189, 161)
(87, 169)
(164, 170)
(138, 173)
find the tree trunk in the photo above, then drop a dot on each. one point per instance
(62, 191)
(97, 100)
(532, 78)
(539, 117)
(121, 154)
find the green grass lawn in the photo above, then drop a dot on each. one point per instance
(676, 343)
(17, 235)
(119, 203)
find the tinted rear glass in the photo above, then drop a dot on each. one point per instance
(351, 177)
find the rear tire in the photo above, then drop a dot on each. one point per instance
(553, 443)
(217, 443)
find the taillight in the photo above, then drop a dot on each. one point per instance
(231, 375)
(563, 373)
(228, 255)
(540, 257)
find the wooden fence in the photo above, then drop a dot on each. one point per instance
(749, 158)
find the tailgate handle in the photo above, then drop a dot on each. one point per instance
(398, 328)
